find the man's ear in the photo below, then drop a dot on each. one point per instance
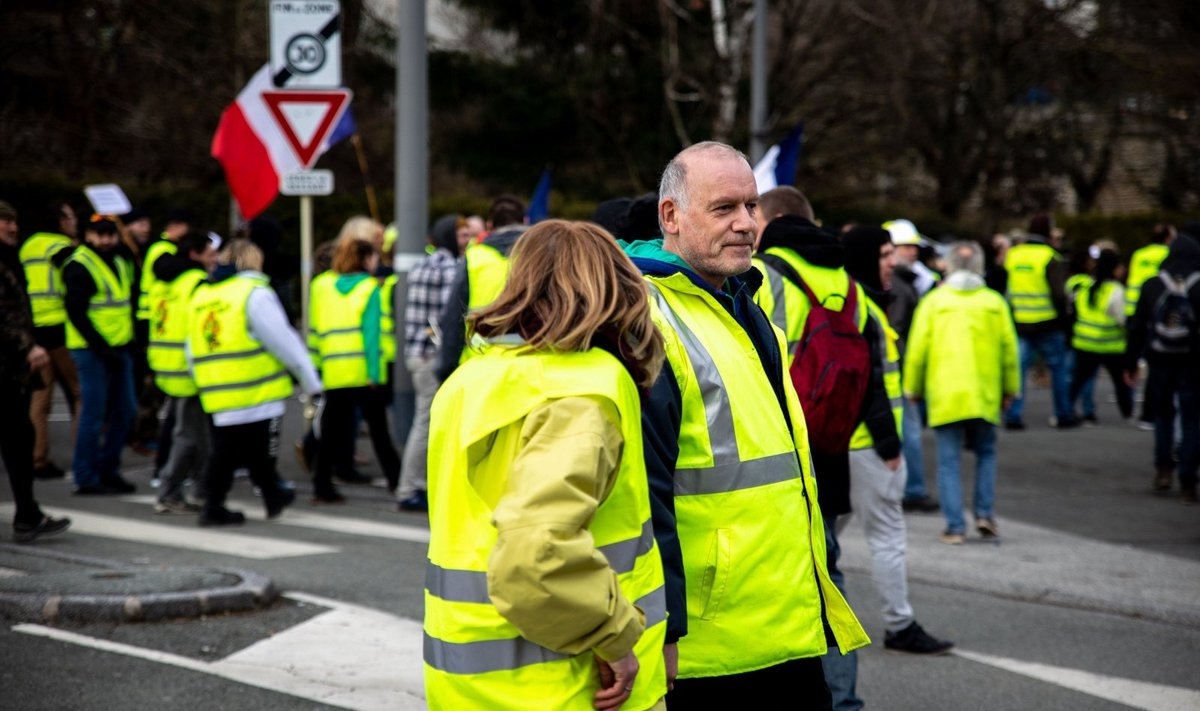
(668, 215)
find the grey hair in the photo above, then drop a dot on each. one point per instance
(673, 185)
(964, 256)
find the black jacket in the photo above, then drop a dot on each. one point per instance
(80, 287)
(16, 320)
(1182, 260)
(453, 322)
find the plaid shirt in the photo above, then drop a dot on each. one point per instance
(428, 291)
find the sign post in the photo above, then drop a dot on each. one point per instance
(306, 58)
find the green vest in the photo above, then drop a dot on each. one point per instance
(337, 321)
(891, 376)
(155, 251)
(475, 658)
(44, 280)
(487, 271)
(1143, 265)
(751, 533)
(108, 309)
(232, 370)
(1028, 289)
(170, 302)
(1095, 331)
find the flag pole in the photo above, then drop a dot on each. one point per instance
(372, 203)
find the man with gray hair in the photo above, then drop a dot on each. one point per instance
(962, 360)
(749, 599)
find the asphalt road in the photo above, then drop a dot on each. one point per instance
(1088, 600)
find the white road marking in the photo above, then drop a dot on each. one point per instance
(337, 524)
(192, 537)
(10, 572)
(1137, 694)
(350, 656)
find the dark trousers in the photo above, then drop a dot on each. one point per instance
(797, 684)
(254, 446)
(16, 448)
(1170, 384)
(1086, 365)
(338, 430)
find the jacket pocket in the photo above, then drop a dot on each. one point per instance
(716, 574)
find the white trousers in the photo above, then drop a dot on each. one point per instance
(875, 495)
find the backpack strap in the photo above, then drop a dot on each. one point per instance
(789, 272)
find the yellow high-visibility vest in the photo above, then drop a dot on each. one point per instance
(1094, 330)
(787, 305)
(1143, 265)
(1028, 289)
(474, 657)
(751, 532)
(108, 309)
(43, 279)
(862, 438)
(337, 321)
(153, 253)
(231, 368)
(487, 270)
(387, 320)
(170, 304)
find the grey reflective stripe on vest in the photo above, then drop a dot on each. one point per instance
(173, 374)
(623, 555)
(173, 345)
(654, 605)
(779, 312)
(456, 585)
(896, 402)
(336, 331)
(244, 383)
(507, 654)
(335, 356)
(471, 585)
(487, 656)
(728, 472)
(43, 294)
(226, 356)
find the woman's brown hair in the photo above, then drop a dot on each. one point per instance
(351, 255)
(571, 288)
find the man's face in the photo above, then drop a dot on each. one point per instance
(8, 232)
(68, 224)
(140, 229)
(208, 258)
(715, 234)
(906, 254)
(105, 241)
(463, 235)
(887, 263)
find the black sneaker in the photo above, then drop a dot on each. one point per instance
(94, 490)
(1090, 421)
(354, 477)
(1068, 423)
(48, 526)
(221, 517)
(282, 499)
(921, 504)
(48, 472)
(417, 502)
(119, 485)
(914, 640)
(1014, 425)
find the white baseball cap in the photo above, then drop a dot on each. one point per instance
(904, 232)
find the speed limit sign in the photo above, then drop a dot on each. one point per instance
(306, 43)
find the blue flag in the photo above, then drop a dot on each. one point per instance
(344, 129)
(539, 206)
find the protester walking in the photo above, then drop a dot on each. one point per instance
(962, 360)
(1098, 334)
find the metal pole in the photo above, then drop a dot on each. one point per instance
(306, 252)
(758, 83)
(412, 179)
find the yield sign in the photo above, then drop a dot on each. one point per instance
(306, 118)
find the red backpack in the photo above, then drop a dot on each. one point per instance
(832, 367)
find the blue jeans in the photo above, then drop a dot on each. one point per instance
(1169, 384)
(107, 407)
(1053, 349)
(1087, 394)
(950, 439)
(914, 458)
(841, 670)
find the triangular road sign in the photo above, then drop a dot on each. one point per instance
(306, 118)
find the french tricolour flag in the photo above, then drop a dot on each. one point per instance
(253, 150)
